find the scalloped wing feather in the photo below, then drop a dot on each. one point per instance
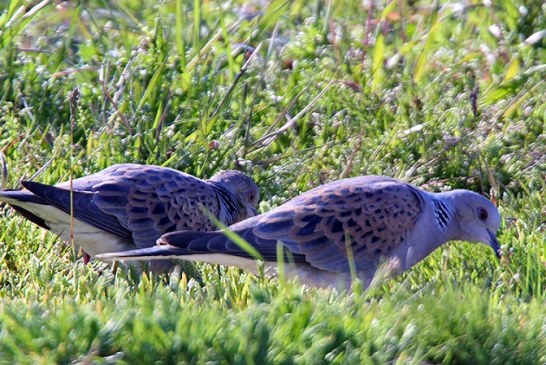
(374, 214)
(150, 201)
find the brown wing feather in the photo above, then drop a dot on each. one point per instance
(376, 217)
(151, 201)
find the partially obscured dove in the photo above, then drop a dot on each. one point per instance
(355, 223)
(130, 206)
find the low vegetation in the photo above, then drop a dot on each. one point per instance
(295, 93)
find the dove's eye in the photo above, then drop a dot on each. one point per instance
(482, 214)
(251, 197)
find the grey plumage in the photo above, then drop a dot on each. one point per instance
(130, 206)
(370, 218)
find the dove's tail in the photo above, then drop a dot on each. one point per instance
(149, 253)
(198, 252)
(21, 200)
(212, 247)
(180, 245)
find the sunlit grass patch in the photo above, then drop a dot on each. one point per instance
(445, 96)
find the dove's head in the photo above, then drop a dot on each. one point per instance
(243, 189)
(478, 218)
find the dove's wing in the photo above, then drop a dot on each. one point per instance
(370, 216)
(134, 202)
(156, 201)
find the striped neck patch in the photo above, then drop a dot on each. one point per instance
(228, 203)
(441, 213)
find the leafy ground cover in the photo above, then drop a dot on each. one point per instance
(297, 93)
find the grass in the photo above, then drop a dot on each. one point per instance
(443, 96)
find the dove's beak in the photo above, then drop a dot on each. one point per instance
(251, 211)
(494, 243)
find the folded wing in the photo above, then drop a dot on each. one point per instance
(133, 202)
